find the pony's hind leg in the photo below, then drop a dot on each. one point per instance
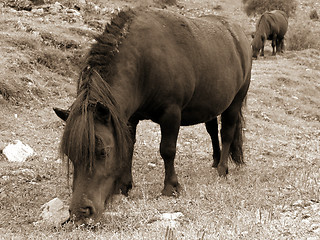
(262, 51)
(280, 45)
(169, 125)
(213, 130)
(231, 136)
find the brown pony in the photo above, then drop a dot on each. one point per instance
(271, 26)
(158, 65)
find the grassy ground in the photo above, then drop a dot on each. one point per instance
(276, 195)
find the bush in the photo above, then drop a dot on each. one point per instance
(253, 7)
(166, 2)
(300, 38)
(314, 15)
(37, 2)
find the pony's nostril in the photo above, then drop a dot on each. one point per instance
(86, 211)
(82, 209)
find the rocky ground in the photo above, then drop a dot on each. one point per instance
(275, 196)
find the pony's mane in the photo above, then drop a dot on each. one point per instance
(79, 137)
(107, 44)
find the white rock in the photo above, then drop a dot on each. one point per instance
(171, 220)
(171, 216)
(82, 2)
(152, 165)
(18, 152)
(55, 8)
(317, 231)
(74, 12)
(37, 11)
(54, 212)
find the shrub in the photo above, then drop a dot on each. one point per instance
(37, 2)
(314, 15)
(5, 91)
(301, 37)
(253, 7)
(167, 2)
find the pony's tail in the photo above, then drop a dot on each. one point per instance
(236, 151)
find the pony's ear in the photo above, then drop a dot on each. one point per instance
(102, 113)
(61, 113)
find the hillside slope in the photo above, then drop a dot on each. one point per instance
(274, 196)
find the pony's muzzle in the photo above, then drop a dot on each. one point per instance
(86, 211)
(82, 210)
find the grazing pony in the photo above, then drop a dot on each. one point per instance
(271, 26)
(158, 65)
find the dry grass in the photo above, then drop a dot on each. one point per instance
(253, 7)
(303, 33)
(274, 196)
(36, 60)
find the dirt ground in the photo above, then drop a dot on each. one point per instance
(276, 195)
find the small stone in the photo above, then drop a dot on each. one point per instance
(152, 165)
(171, 216)
(18, 152)
(54, 212)
(298, 203)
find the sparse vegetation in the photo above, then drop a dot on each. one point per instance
(168, 2)
(314, 15)
(274, 196)
(260, 6)
(301, 38)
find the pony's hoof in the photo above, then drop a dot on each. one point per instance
(215, 164)
(124, 188)
(222, 171)
(171, 190)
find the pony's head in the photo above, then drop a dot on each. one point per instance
(96, 137)
(95, 141)
(257, 43)
(260, 36)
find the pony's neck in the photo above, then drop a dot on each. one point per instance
(126, 91)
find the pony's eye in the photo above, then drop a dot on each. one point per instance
(104, 152)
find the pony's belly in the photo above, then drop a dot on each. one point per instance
(206, 107)
(196, 116)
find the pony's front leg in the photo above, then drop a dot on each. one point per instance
(170, 124)
(126, 177)
(274, 44)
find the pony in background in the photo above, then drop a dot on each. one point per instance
(271, 26)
